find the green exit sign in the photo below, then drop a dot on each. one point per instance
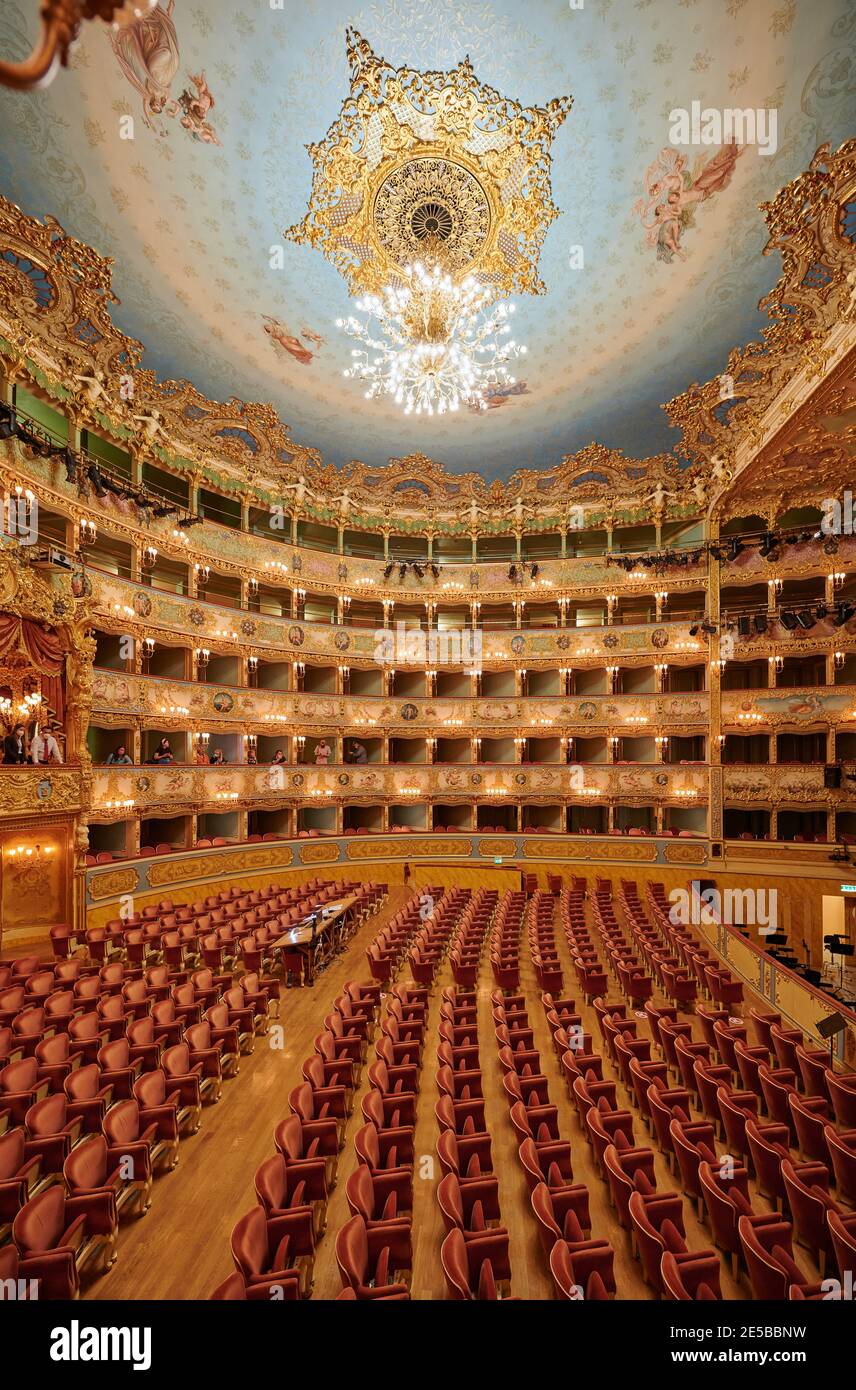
(499, 861)
(848, 887)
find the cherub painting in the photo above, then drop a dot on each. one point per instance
(195, 107)
(498, 396)
(672, 192)
(148, 54)
(285, 342)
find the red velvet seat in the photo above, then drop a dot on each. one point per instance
(260, 1250)
(476, 1269)
(600, 1284)
(377, 1262)
(59, 1236)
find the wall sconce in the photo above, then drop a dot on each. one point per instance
(202, 656)
(252, 586)
(839, 660)
(300, 740)
(662, 597)
(119, 805)
(775, 586)
(611, 600)
(148, 559)
(612, 673)
(252, 742)
(661, 670)
(203, 740)
(180, 537)
(277, 566)
(203, 574)
(252, 664)
(147, 650)
(661, 740)
(718, 666)
(613, 739)
(346, 602)
(88, 533)
(837, 579)
(777, 663)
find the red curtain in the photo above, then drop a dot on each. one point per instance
(44, 649)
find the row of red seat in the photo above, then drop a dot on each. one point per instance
(581, 1267)
(719, 1184)
(97, 1110)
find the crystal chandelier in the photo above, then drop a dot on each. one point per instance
(437, 344)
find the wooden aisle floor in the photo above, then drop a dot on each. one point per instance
(180, 1249)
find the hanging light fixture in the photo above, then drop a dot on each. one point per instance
(437, 345)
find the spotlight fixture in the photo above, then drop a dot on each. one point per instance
(695, 630)
(806, 618)
(435, 570)
(760, 621)
(821, 611)
(96, 480)
(388, 570)
(8, 427)
(843, 613)
(788, 619)
(512, 572)
(402, 571)
(187, 521)
(735, 547)
(535, 571)
(70, 465)
(744, 625)
(707, 626)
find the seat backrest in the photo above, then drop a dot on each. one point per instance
(85, 1168)
(249, 1244)
(352, 1252)
(41, 1222)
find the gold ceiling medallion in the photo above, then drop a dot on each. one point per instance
(432, 200)
(431, 156)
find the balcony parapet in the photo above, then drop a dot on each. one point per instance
(124, 607)
(147, 701)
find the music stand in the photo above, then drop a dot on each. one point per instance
(830, 1028)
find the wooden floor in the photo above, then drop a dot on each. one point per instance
(180, 1249)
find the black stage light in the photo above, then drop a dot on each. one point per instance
(388, 570)
(736, 547)
(788, 619)
(535, 571)
(760, 622)
(512, 572)
(694, 630)
(435, 570)
(708, 627)
(843, 613)
(70, 466)
(768, 543)
(95, 479)
(806, 618)
(402, 570)
(744, 625)
(821, 611)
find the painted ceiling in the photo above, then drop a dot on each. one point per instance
(637, 305)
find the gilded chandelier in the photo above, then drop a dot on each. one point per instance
(438, 345)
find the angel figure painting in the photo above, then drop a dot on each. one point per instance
(286, 343)
(147, 50)
(672, 192)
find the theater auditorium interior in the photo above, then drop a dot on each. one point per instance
(428, 657)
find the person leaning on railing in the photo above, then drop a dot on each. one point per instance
(119, 755)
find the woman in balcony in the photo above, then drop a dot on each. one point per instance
(163, 754)
(278, 758)
(15, 745)
(119, 755)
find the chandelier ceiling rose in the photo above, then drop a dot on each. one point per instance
(410, 148)
(432, 198)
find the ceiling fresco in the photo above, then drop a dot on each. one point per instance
(650, 273)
